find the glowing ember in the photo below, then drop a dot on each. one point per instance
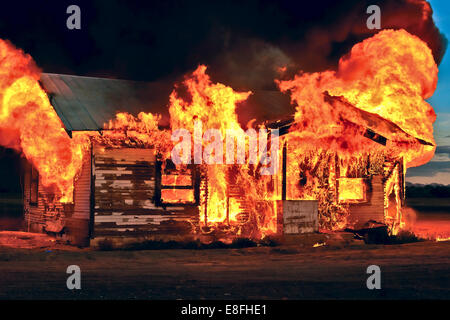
(177, 196)
(174, 180)
(141, 131)
(319, 244)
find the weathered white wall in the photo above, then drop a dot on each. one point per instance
(300, 216)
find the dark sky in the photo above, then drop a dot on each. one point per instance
(242, 42)
(9, 171)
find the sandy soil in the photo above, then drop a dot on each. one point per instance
(409, 271)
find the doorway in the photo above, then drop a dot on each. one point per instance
(11, 191)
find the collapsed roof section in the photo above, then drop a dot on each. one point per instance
(375, 127)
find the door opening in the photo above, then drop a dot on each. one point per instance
(11, 191)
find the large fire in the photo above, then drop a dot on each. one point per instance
(389, 75)
(29, 124)
(214, 105)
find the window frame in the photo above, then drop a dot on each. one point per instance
(195, 186)
(354, 201)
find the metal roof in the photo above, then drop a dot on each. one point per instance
(87, 103)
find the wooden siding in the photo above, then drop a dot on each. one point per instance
(37, 215)
(82, 191)
(78, 222)
(125, 197)
(73, 217)
(298, 216)
(26, 192)
(373, 208)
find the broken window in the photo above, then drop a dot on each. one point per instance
(177, 185)
(351, 190)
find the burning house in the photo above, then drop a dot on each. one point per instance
(100, 167)
(125, 189)
(120, 189)
(128, 185)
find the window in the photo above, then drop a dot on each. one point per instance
(352, 190)
(177, 186)
(34, 186)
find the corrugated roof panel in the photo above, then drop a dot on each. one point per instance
(86, 104)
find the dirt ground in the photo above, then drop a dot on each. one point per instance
(408, 271)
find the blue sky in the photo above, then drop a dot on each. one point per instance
(438, 169)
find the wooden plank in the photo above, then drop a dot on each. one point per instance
(373, 209)
(130, 155)
(82, 191)
(124, 195)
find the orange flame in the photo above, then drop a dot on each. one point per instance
(388, 75)
(30, 125)
(212, 104)
(141, 131)
(215, 106)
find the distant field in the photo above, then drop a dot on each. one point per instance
(431, 217)
(442, 205)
